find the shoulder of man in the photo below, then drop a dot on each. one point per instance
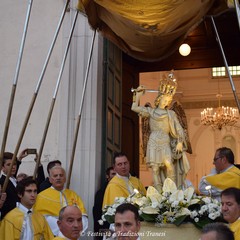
(13, 215)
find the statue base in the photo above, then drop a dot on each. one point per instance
(168, 231)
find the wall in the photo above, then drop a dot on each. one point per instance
(39, 36)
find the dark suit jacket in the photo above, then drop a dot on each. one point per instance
(12, 197)
(44, 185)
(97, 210)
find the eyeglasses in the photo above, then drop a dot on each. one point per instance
(216, 158)
(31, 191)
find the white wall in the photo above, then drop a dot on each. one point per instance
(39, 36)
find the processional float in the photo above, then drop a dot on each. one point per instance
(141, 32)
(101, 16)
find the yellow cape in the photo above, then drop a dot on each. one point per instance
(11, 226)
(229, 178)
(117, 187)
(50, 201)
(235, 227)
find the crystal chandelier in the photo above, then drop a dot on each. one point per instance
(223, 116)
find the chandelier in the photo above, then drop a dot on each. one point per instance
(223, 116)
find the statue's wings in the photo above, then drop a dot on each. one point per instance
(178, 109)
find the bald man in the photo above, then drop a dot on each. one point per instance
(69, 223)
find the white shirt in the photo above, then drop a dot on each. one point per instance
(12, 179)
(27, 231)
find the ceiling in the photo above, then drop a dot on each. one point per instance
(205, 50)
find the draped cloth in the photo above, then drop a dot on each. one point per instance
(118, 187)
(235, 227)
(229, 178)
(12, 226)
(50, 201)
(148, 30)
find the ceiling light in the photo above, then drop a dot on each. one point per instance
(184, 49)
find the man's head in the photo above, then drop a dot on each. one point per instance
(70, 222)
(223, 158)
(216, 231)
(121, 164)
(27, 191)
(52, 164)
(230, 199)
(127, 222)
(7, 161)
(57, 177)
(110, 173)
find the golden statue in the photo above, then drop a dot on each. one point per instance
(168, 140)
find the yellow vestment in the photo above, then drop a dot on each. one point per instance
(118, 187)
(229, 178)
(11, 226)
(50, 201)
(235, 227)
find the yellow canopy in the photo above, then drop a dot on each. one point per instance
(148, 30)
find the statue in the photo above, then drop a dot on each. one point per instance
(168, 140)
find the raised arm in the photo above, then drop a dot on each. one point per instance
(136, 99)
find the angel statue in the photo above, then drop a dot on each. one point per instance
(168, 140)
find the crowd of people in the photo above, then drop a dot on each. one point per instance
(43, 208)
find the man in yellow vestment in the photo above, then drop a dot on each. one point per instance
(22, 222)
(123, 184)
(230, 199)
(50, 201)
(226, 174)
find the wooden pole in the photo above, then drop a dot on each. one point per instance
(15, 80)
(237, 7)
(226, 65)
(34, 97)
(54, 97)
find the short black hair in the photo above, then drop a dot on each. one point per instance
(7, 156)
(226, 152)
(223, 232)
(108, 170)
(118, 154)
(52, 164)
(234, 192)
(128, 207)
(21, 185)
